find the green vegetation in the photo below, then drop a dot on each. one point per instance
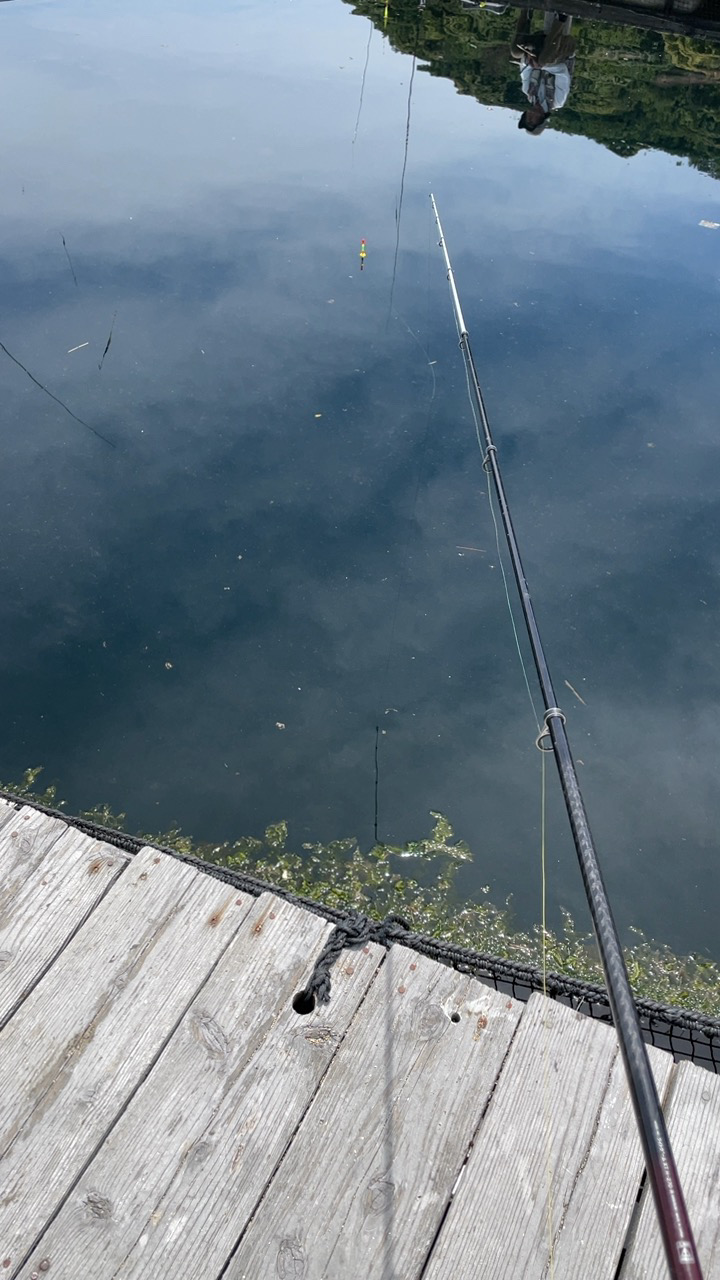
(417, 881)
(632, 88)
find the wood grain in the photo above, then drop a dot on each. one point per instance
(591, 1235)
(365, 1184)
(178, 1178)
(84, 1039)
(52, 897)
(6, 810)
(693, 1118)
(26, 837)
(699, 25)
(531, 1148)
(164, 1111)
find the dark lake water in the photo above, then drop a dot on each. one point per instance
(204, 624)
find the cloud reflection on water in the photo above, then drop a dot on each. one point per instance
(216, 206)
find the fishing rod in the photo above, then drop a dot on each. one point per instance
(670, 1206)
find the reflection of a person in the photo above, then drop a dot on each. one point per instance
(547, 62)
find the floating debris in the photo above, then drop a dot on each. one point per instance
(69, 260)
(107, 344)
(577, 695)
(49, 393)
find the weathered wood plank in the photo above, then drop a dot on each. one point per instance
(85, 1038)
(700, 25)
(590, 1237)
(365, 1184)
(693, 1118)
(26, 837)
(173, 1186)
(49, 906)
(534, 1139)
(6, 810)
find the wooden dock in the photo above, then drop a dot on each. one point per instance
(166, 1113)
(650, 15)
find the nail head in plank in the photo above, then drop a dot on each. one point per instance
(693, 1118)
(84, 1039)
(536, 1135)
(58, 894)
(175, 1184)
(367, 1179)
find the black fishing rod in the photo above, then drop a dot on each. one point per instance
(670, 1205)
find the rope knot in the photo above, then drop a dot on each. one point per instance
(356, 931)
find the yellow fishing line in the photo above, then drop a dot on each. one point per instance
(543, 844)
(546, 1036)
(543, 874)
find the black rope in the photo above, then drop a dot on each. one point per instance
(356, 932)
(661, 1022)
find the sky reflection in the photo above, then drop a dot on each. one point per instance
(283, 517)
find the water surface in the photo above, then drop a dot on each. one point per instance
(205, 624)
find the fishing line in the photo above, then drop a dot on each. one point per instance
(430, 363)
(423, 442)
(398, 593)
(49, 393)
(431, 366)
(377, 780)
(398, 210)
(546, 1029)
(547, 1110)
(500, 555)
(543, 873)
(670, 1206)
(362, 84)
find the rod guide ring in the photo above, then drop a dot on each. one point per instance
(545, 731)
(486, 466)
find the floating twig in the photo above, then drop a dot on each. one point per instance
(107, 344)
(577, 695)
(49, 393)
(78, 348)
(69, 259)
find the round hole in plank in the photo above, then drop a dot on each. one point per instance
(454, 1017)
(303, 1002)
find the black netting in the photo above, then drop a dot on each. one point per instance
(686, 1035)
